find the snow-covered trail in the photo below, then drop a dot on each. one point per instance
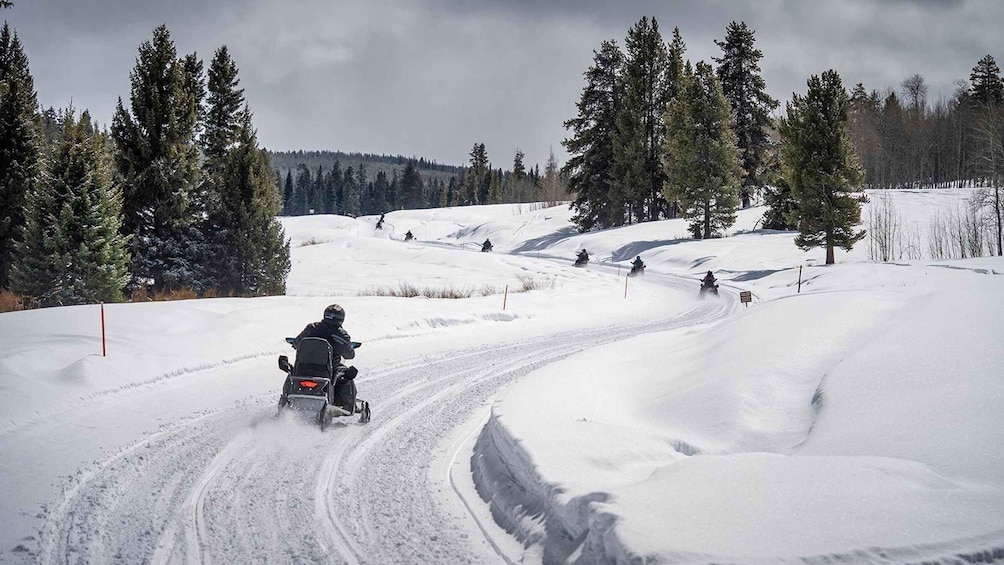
(234, 485)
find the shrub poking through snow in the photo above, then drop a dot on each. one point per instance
(10, 302)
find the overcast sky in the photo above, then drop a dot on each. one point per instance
(432, 77)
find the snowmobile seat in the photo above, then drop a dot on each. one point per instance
(313, 358)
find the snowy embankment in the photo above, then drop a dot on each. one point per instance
(857, 420)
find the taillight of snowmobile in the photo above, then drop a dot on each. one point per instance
(308, 384)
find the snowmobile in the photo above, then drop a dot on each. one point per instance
(408, 236)
(486, 247)
(318, 389)
(581, 260)
(636, 270)
(708, 287)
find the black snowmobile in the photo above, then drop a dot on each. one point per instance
(708, 287)
(582, 259)
(315, 387)
(637, 269)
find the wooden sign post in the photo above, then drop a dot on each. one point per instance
(746, 297)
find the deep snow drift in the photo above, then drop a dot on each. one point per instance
(857, 419)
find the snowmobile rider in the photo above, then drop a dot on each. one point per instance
(709, 280)
(583, 256)
(638, 264)
(330, 328)
(486, 246)
(379, 224)
(408, 236)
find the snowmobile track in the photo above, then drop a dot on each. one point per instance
(234, 485)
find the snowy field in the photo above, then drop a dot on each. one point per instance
(856, 420)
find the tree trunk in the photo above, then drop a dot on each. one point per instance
(707, 219)
(829, 251)
(997, 209)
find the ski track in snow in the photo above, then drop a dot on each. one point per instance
(237, 486)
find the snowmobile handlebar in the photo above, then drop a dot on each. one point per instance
(292, 342)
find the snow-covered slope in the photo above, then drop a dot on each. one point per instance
(855, 420)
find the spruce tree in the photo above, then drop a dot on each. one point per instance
(988, 86)
(223, 114)
(589, 168)
(252, 253)
(746, 91)
(157, 158)
(412, 194)
(819, 164)
(381, 187)
(287, 194)
(494, 188)
(20, 147)
(72, 252)
(638, 143)
(301, 197)
(701, 158)
(476, 190)
(351, 193)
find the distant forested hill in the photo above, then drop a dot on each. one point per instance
(290, 160)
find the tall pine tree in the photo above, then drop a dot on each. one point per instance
(638, 143)
(157, 158)
(820, 166)
(589, 168)
(20, 148)
(701, 158)
(746, 91)
(72, 252)
(252, 253)
(988, 86)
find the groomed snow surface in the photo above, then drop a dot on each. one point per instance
(856, 420)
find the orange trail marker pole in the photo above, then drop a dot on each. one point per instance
(505, 297)
(625, 286)
(104, 350)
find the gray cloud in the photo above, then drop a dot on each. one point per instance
(432, 77)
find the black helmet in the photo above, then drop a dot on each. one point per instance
(710, 274)
(334, 314)
(638, 257)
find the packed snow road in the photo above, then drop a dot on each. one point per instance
(235, 485)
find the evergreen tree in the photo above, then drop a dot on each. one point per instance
(412, 189)
(589, 168)
(20, 147)
(335, 189)
(287, 194)
(476, 190)
(988, 87)
(494, 188)
(351, 193)
(72, 252)
(701, 158)
(303, 188)
(820, 166)
(157, 159)
(317, 192)
(251, 255)
(381, 186)
(225, 101)
(638, 143)
(745, 89)
(392, 192)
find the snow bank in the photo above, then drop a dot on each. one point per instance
(858, 420)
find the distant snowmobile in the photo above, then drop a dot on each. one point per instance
(486, 247)
(708, 285)
(582, 259)
(408, 236)
(637, 268)
(315, 387)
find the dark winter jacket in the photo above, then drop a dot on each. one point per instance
(341, 343)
